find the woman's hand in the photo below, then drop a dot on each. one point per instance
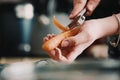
(80, 4)
(90, 31)
(71, 47)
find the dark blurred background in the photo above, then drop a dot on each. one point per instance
(24, 23)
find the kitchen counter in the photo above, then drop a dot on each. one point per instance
(47, 69)
(9, 60)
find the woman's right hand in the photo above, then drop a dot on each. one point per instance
(80, 4)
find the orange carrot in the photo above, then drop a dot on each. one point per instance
(60, 26)
(55, 41)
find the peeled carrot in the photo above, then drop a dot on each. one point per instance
(55, 41)
(60, 26)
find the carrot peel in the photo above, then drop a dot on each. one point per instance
(60, 26)
(55, 41)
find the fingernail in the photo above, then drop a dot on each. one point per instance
(65, 43)
(91, 8)
(53, 52)
(71, 15)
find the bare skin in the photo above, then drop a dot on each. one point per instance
(80, 4)
(90, 31)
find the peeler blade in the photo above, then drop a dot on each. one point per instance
(78, 20)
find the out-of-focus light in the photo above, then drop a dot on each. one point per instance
(19, 71)
(43, 19)
(24, 11)
(19, 11)
(28, 11)
(25, 47)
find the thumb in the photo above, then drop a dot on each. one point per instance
(91, 5)
(81, 37)
(68, 42)
(78, 6)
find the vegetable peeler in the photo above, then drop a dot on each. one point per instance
(78, 20)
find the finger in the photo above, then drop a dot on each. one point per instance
(52, 54)
(65, 52)
(75, 40)
(49, 36)
(45, 39)
(78, 6)
(78, 50)
(60, 57)
(91, 5)
(68, 42)
(56, 54)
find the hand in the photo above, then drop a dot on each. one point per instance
(80, 4)
(59, 53)
(71, 47)
(90, 31)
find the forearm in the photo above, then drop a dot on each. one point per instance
(106, 26)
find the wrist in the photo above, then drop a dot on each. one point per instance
(106, 26)
(115, 41)
(117, 16)
(98, 28)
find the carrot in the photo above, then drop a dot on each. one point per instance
(55, 41)
(61, 27)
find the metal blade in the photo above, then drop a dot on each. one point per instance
(78, 20)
